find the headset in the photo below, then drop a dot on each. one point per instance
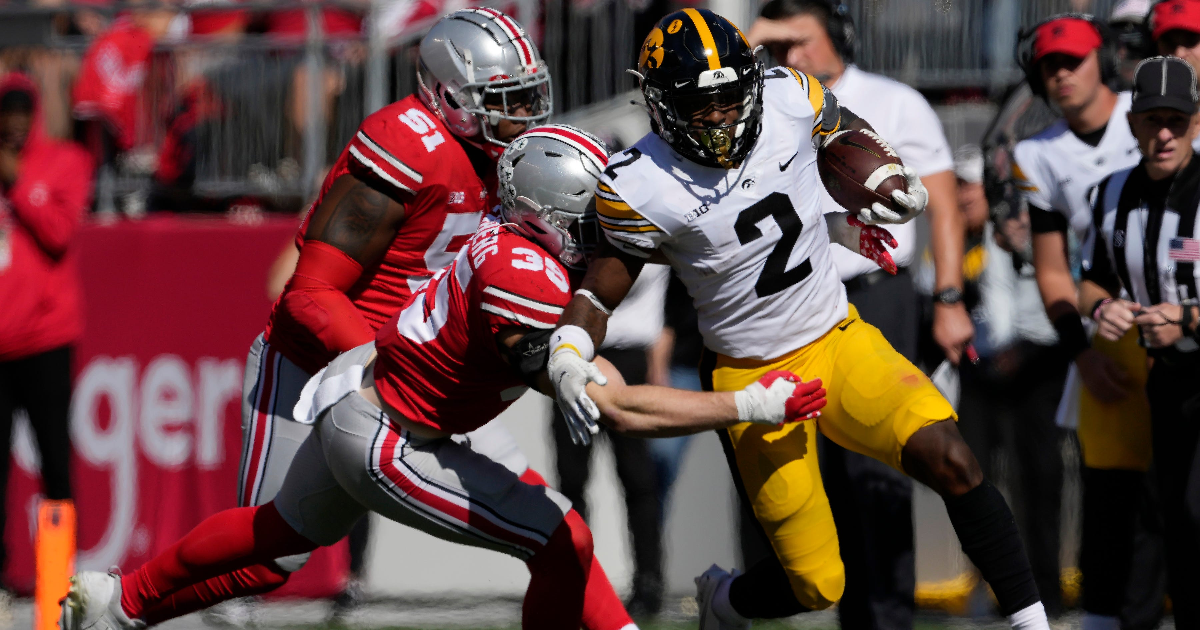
(1107, 53)
(840, 26)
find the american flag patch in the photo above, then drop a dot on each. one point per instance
(1187, 249)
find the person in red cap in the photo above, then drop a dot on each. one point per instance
(1175, 28)
(1055, 169)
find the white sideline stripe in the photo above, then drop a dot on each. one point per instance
(400, 166)
(516, 317)
(378, 171)
(526, 302)
(882, 173)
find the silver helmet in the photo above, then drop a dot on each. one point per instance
(548, 181)
(481, 56)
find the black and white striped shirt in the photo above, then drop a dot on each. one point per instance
(1143, 244)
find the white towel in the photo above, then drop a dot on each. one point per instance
(320, 393)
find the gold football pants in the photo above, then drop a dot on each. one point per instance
(877, 400)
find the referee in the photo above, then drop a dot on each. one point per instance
(1140, 270)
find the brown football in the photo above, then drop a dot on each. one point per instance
(859, 168)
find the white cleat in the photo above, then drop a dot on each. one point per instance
(706, 589)
(94, 603)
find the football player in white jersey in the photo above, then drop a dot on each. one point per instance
(726, 191)
(1068, 60)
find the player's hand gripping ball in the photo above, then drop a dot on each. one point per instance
(779, 397)
(871, 244)
(865, 175)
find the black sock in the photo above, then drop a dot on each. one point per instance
(764, 592)
(988, 533)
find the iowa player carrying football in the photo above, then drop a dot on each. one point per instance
(725, 189)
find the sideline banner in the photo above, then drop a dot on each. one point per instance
(171, 307)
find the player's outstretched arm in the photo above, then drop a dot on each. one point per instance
(580, 330)
(652, 411)
(349, 231)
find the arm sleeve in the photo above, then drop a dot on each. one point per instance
(623, 226)
(1042, 220)
(52, 216)
(388, 151)
(315, 297)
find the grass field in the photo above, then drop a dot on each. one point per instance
(493, 614)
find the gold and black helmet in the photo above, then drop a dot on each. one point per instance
(695, 62)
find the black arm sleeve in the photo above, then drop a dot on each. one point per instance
(529, 355)
(1042, 220)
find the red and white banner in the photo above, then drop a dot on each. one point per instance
(172, 305)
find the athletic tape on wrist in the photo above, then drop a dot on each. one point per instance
(591, 297)
(572, 339)
(745, 405)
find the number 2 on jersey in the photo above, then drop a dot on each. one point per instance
(775, 275)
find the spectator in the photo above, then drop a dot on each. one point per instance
(674, 363)
(632, 331)
(1010, 397)
(44, 191)
(871, 502)
(1128, 24)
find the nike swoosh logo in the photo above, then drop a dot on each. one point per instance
(843, 327)
(681, 83)
(783, 167)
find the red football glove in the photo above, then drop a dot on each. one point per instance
(778, 397)
(871, 241)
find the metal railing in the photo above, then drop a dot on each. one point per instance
(262, 116)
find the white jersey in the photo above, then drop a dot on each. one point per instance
(1055, 170)
(750, 244)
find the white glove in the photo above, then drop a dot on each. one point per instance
(570, 374)
(779, 397)
(912, 202)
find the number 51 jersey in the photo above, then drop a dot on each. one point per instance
(750, 244)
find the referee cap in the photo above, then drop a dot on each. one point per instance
(1164, 82)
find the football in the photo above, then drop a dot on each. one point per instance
(859, 168)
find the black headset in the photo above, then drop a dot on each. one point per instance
(840, 26)
(1107, 52)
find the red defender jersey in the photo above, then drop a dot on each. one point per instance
(439, 364)
(404, 147)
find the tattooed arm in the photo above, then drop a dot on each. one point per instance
(349, 231)
(356, 219)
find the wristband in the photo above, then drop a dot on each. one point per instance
(572, 339)
(591, 297)
(1097, 306)
(1071, 335)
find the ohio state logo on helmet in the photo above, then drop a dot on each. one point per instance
(548, 176)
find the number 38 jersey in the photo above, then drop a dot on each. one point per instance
(750, 244)
(406, 152)
(439, 363)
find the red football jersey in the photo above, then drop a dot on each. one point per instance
(439, 364)
(406, 148)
